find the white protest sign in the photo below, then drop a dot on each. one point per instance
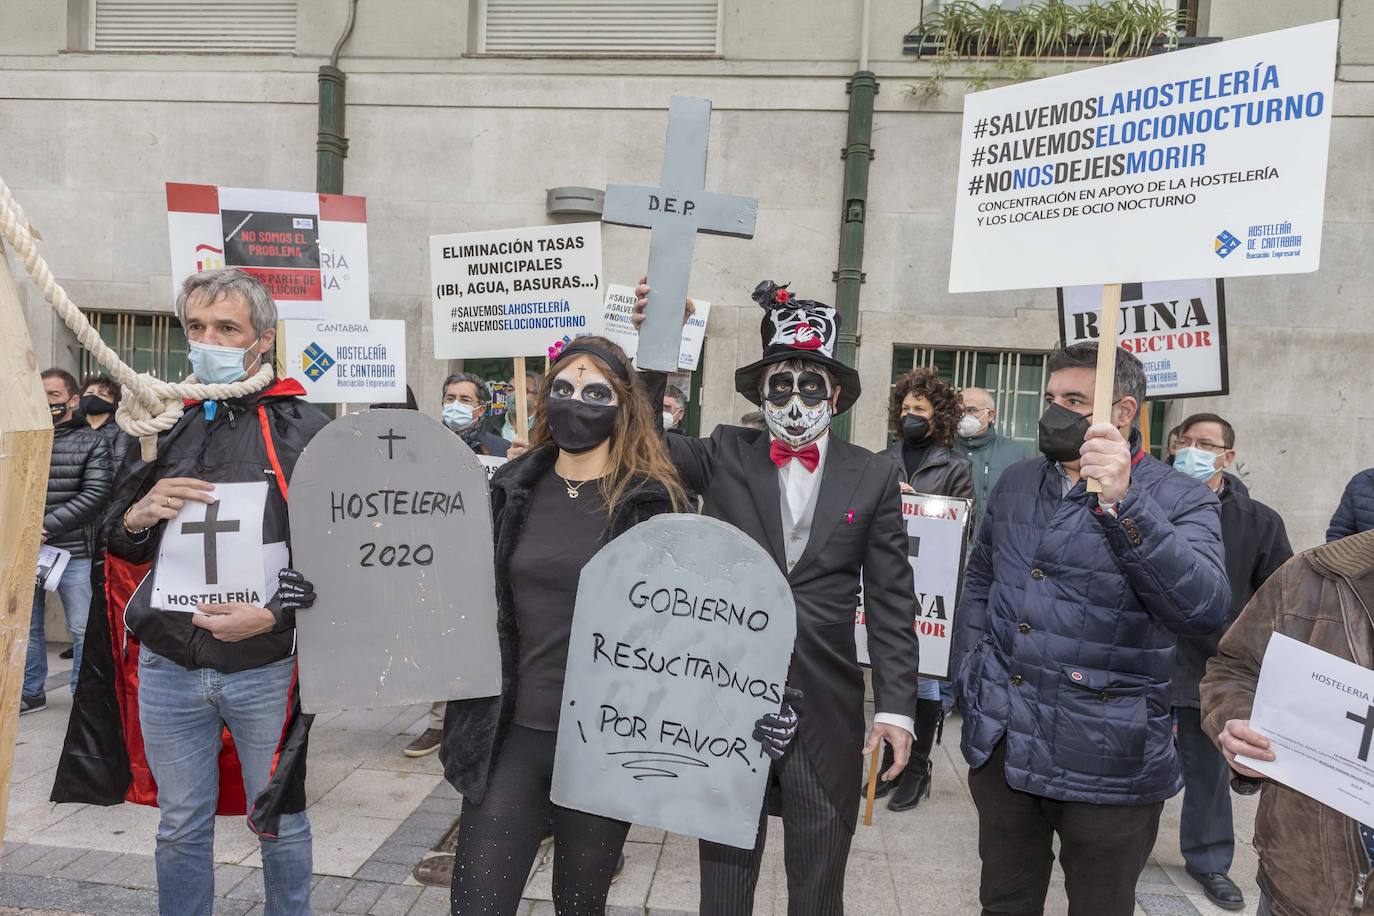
(1177, 328)
(339, 362)
(1205, 162)
(213, 554)
(1317, 710)
(52, 563)
(309, 249)
(490, 464)
(681, 640)
(620, 307)
(513, 292)
(936, 528)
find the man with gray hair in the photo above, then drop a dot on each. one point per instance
(225, 665)
(1066, 629)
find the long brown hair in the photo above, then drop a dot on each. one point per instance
(637, 449)
(926, 383)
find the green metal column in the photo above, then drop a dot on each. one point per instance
(857, 154)
(331, 146)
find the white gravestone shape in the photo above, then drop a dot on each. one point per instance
(213, 553)
(676, 211)
(390, 522)
(681, 640)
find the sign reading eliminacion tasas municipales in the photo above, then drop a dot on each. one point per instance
(1207, 162)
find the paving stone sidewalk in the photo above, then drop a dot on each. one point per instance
(375, 813)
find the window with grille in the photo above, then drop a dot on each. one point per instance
(263, 26)
(657, 27)
(1015, 378)
(149, 343)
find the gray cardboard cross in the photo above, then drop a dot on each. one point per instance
(676, 211)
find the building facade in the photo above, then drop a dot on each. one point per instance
(461, 115)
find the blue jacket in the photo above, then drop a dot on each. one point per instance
(1067, 626)
(1356, 511)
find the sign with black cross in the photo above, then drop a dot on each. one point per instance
(676, 210)
(390, 521)
(214, 554)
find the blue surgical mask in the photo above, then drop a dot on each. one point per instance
(1197, 463)
(457, 415)
(215, 365)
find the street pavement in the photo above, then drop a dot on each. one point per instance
(375, 813)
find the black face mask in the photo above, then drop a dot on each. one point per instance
(92, 405)
(915, 430)
(58, 411)
(577, 426)
(1062, 433)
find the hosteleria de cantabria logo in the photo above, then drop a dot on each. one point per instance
(1225, 243)
(316, 362)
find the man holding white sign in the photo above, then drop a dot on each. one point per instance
(214, 625)
(1297, 728)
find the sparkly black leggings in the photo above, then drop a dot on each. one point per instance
(498, 839)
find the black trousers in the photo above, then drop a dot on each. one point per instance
(1102, 848)
(498, 839)
(816, 842)
(1206, 836)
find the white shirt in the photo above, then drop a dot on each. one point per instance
(799, 484)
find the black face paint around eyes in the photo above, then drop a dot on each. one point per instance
(598, 393)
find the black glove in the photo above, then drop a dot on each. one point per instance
(294, 593)
(776, 730)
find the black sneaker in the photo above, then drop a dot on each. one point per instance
(68, 652)
(32, 704)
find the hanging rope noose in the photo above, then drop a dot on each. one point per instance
(149, 406)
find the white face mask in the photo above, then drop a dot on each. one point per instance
(969, 426)
(668, 421)
(796, 405)
(216, 365)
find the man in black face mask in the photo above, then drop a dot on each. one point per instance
(1066, 630)
(99, 402)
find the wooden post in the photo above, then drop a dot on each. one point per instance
(25, 446)
(1106, 361)
(521, 401)
(1145, 426)
(875, 763)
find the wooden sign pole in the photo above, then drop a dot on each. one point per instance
(25, 446)
(875, 763)
(521, 401)
(1106, 361)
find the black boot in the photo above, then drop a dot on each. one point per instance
(883, 787)
(915, 782)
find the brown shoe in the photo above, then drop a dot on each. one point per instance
(426, 744)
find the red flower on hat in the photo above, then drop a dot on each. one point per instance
(782, 297)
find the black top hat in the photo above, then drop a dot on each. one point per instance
(795, 328)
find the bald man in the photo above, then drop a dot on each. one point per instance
(987, 450)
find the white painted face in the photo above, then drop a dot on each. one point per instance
(581, 380)
(797, 403)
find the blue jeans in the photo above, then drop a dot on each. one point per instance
(182, 713)
(75, 592)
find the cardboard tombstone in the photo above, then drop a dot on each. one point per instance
(390, 521)
(681, 640)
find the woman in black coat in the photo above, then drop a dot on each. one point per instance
(596, 468)
(923, 415)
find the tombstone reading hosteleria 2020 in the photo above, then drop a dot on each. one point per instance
(680, 642)
(390, 522)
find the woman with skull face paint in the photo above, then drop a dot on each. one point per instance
(595, 468)
(923, 415)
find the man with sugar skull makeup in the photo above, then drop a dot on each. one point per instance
(828, 511)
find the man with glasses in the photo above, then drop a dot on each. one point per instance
(1256, 545)
(988, 451)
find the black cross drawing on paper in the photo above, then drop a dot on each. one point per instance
(1367, 720)
(390, 438)
(211, 527)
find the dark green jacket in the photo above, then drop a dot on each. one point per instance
(990, 454)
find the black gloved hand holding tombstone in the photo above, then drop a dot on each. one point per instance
(776, 730)
(294, 593)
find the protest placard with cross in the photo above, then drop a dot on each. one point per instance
(676, 210)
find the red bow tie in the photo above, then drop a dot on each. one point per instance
(808, 455)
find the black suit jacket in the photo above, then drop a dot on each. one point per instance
(739, 484)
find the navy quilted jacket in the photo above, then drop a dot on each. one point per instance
(1067, 625)
(1356, 511)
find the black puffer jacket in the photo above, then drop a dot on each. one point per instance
(79, 481)
(119, 441)
(475, 730)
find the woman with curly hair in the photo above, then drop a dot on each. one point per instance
(923, 415)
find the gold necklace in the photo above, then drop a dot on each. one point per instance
(572, 490)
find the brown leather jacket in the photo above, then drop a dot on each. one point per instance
(1312, 861)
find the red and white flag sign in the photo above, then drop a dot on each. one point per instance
(309, 249)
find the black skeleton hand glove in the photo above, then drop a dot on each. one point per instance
(294, 593)
(776, 730)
